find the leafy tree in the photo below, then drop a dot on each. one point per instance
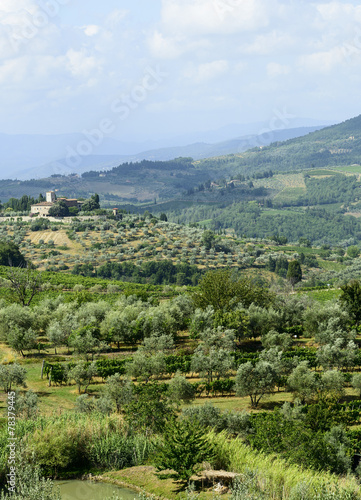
(206, 415)
(351, 299)
(10, 255)
(216, 363)
(219, 290)
(236, 320)
(121, 325)
(83, 375)
(22, 340)
(356, 382)
(327, 323)
(184, 447)
(303, 382)
(304, 242)
(213, 358)
(180, 390)
(255, 381)
(208, 239)
(294, 273)
(84, 404)
(353, 251)
(148, 410)
(337, 354)
(11, 376)
(146, 365)
(332, 385)
(91, 204)
(200, 320)
(27, 405)
(57, 335)
(163, 217)
(120, 390)
(262, 320)
(85, 343)
(59, 209)
(23, 284)
(32, 485)
(275, 339)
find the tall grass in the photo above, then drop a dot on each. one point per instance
(278, 479)
(72, 443)
(114, 451)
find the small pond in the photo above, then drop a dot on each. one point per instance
(91, 490)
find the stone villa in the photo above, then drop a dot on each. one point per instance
(42, 208)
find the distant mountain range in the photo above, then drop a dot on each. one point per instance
(38, 156)
(126, 178)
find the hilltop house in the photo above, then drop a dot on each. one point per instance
(42, 208)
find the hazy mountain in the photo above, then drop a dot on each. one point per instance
(34, 153)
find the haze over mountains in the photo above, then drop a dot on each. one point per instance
(38, 156)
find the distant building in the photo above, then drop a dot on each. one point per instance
(43, 208)
(50, 197)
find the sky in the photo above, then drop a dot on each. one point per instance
(148, 69)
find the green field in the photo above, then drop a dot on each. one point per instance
(352, 169)
(321, 171)
(290, 194)
(323, 295)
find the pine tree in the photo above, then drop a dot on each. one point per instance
(294, 273)
(184, 446)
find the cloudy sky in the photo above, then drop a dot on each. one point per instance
(140, 69)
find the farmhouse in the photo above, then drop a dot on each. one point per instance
(43, 208)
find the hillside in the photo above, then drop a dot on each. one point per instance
(147, 250)
(336, 145)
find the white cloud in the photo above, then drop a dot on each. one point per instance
(91, 29)
(116, 17)
(165, 47)
(340, 12)
(80, 64)
(209, 71)
(275, 41)
(240, 49)
(323, 62)
(274, 70)
(200, 17)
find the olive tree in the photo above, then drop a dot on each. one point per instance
(82, 375)
(212, 358)
(146, 365)
(275, 339)
(119, 390)
(337, 355)
(12, 376)
(57, 335)
(27, 405)
(23, 284)
(86, 344)
(255, 381)
(22, 340)
(303, 382)
(180, 390)
(356, 382)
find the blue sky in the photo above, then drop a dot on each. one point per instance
(149, 69)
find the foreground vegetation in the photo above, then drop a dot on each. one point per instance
(131, 374)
